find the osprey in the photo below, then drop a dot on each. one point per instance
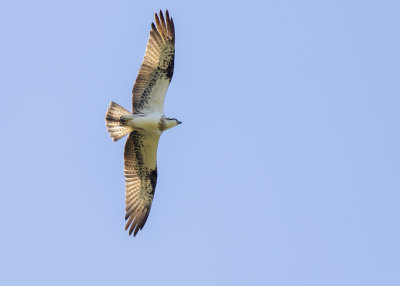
(146, 122)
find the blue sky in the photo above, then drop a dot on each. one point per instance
(285, 170)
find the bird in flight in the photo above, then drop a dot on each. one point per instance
(146, 123)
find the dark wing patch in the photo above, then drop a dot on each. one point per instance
(157, 67)
(140, 170)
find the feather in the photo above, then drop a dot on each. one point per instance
(156, 71)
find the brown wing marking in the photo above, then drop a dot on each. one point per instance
(157, 67)
(140, 170)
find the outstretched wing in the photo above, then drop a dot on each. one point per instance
(140, 177)
(157, 68)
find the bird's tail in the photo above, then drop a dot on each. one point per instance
(114, 123)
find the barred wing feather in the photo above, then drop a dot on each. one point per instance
(140, 168)
(157, 68)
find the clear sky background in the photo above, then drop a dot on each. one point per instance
(285, 170)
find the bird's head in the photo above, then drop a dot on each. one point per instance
(174, 120)
(171, 122)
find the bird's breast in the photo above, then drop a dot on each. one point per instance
(147, 123)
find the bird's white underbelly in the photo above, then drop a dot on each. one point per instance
(148, 123)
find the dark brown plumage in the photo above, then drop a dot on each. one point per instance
(157, 67)
(140, 178)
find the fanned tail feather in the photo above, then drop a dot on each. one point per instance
(114, 124)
